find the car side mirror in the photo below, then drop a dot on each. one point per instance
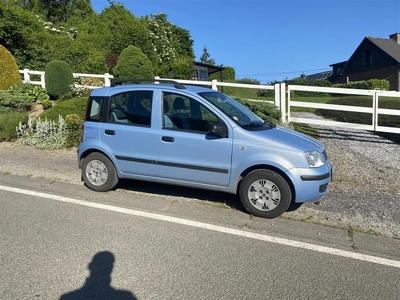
(220, 130)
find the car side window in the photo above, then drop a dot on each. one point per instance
(95, 107)
(132, 108)
(184, 113)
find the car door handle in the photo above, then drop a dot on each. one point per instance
(109, 132)
(167, 139)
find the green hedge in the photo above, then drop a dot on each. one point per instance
(265, 110)
(372, 84)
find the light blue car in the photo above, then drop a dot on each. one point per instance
(197, 137)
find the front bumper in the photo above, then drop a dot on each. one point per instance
(312, 183)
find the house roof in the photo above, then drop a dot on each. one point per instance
(211, 68)
(319, 76)
(388, 45)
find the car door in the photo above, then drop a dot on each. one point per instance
(128, 134)
(186, 150)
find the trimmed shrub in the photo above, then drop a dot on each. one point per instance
(58, 78)
(74, 126)
(66, 107)
(14, 101)
(47, 104)
(133, 63)
(9, 72)
(228, 75)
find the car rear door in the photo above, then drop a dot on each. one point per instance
(129, 135)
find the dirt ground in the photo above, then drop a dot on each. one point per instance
(35, 110)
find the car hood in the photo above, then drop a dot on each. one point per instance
(289, 138)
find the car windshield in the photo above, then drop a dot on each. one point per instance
(236, 111)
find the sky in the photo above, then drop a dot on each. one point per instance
(272, 40)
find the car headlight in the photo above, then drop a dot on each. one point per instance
(314, 159)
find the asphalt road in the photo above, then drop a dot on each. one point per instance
(58, 237)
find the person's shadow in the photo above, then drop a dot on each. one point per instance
(98, 284)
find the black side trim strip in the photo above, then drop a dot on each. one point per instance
(315, 178)
(139, 160)
(168, 164)
(192, 167)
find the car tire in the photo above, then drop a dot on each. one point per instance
(98, 172)
(265, 193)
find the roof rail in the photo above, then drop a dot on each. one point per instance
(115, 82)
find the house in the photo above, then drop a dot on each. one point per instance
(374, 58)
(201, 71)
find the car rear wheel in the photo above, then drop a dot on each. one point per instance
(265, 193)
(99, 173)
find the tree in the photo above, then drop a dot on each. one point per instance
(172, 46)
(106, 35)
(133, 63)
(204, 58)
(58, 11)
(169, 41)
(181, 68)
(119, 28)
(38, 31)
(24, 36)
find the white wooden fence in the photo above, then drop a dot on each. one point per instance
(375, 110)
(283, 99)
(27, 78)
(284, 103)
(214, 84)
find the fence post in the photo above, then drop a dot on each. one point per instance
(107, 81)
(27, 78)
(42, 82)
(283, 101)
(277, 95)
(214, 85)
(375, 109)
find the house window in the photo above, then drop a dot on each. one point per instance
(367, 58)
(203, 75)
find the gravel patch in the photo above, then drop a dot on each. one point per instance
(365, 191)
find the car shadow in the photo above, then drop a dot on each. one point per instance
(230, 200)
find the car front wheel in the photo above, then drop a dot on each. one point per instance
(99, 173)
(265, 193)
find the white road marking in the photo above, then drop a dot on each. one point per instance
(237, 232)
